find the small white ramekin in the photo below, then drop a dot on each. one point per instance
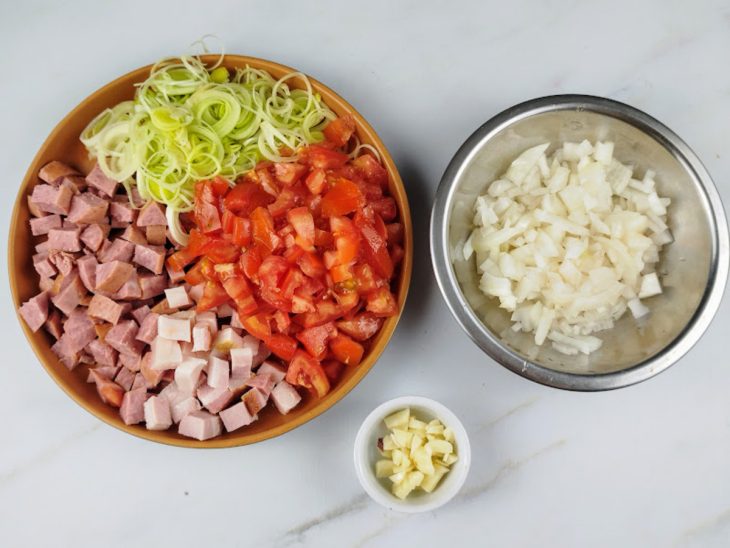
(366, 455)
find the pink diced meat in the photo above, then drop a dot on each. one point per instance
(43, 266)
(104, 308)
(124, 378)
(285, 397)
(133, 363)
(255, 400)
(103, 353)
(130, 290)
(122, 338)
(119, 250)
(93, 236)
(87, 271)
(201, 338)
(139, 381)
(214, 399)
(52, 199)
(64, 239)
(98, 180)
(152, 214)
(187, 374)
(87, 208)
(263, 382)
(134, 235)
(148, 330)
(200, 425)
(276, 371)
(140, 313)
(132, 409)
(208, 318)
(35, 311)
(54, 324)
(54, 171)
(165, 354)
(70, 294)
(62, 261)
(78, 331)
(177, 297)
(241, 362)
(181, 409)
(157, 413)
(218, 372)
(121, 210)
(111, 276)
(174, 329)
(43, 225)
(236, 416)
(152, 285)
(156, 234)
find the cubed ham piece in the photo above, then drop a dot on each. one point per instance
(87, 208)
(70, 294)
(33, 209)
(64, 239)
(187, 374)
(261, 355)
(177, 297)
(285, 397)
(94, 235)
(264, 382)
(125, 378)
(152, 214)
(176, 276)
(109, 391)
(106, 371)
(35, 311)
(214, 399)
(241, 362)
(46, 284)
(156, 234)
(52, 199)
(151, 376)
(200, 425)
(152, 285)
(148, 329)
(139, 381)
(62, 261)
(132, 409)
(196, 292)
(173, 329)
(150, 257)
(157, 413)
(87, 271)
(201, 338)
(122, 338)
(43, 225)
(236, 416)
(133, 363)
(185, 407)
(76, 182)
(276, 371)
(43, 266)
(166, 354)
(103, 353)
(67, 357)
(100, 181)
(255, 401)
(104, 308)
(140, 313)
(121, 210)
(111, 276)
(130, 290)
(236, 321)
(218, 372)
(119, 250)
(54, 171)
(78, 331)
(227, 339)
(172, 392)
(209, 319)
(54, 324)
(134, 235)
(43, 247)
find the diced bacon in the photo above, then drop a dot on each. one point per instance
(236, 321)
(152, 214)
(276, 371)
(139, 381)
(157, 413)
(177, 297)
(255, 401)
(43, 266)
(173, 328)
(124, 378)
(181, 409)
(214, 399)
(196, 292)
(122, 338)
(99, 180)
(218, 372)
(201, 338)
(236, 416)
(133, 363)
(285, 397)
(134, 235)
(175, 276)
(200, 425)
(261, 355)
(130, 290)
(187, 374)
(226, 339)
(241, 362)
(166, 354)
(104, 308)
(208, 318)
(109, 391)
(148, 329)
(62, 261)
(152, 285)
(140, 313)
(54, 324)
(150, 257)
(237, 384)
(54, 171)
(42, 225)
(35, 311)
(87, 208)
(121, 210)
(151, 376)
(224, 311)
(132, 409)
(111, 276)
(87, 271)
(103, 353)
(93, 236)
(156, 234)
(263, 382)
(52, 199)
(64, 239)
(70, 294)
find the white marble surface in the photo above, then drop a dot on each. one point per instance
(644, 466)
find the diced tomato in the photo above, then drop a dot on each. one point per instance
(325, 311)
(292, 281)
(197, 242)
(361, 327)
(341, 273)
(397, 253)
(381, 303)
(219, 250)
(347, 239)
(371, 169)
(282, 321)
(267, 181)
(272, 272)
(227, 221)
(282, 345)
(346, 350)
(386, 208)
(343, 198)
(219, 186)
(346, 298)
(322, 238)
(366, 280)
(306, 371)
(258, 326)
(213, 295)
(375, 250)
(316, 180)
(322, 157)
(315, 339)
(339, 130)
(395, 233)
(206, 215)
(241, 233)
(301, 304)
(250, 262)
(283, 203)
(263, 230)
(311, 265)
(289, 172)
(246, 304)
(243, 198)
(303, 222)
(333, 369)
(194, 276)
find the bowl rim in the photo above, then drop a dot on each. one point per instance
(364, 468)
(490, 343)
(332, 98)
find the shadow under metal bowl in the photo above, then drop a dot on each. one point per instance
(693, 269)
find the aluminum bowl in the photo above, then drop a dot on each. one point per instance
(694, 268)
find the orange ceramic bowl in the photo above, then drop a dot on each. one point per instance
(63, 144)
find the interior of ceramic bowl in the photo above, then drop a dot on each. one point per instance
(684, 267)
